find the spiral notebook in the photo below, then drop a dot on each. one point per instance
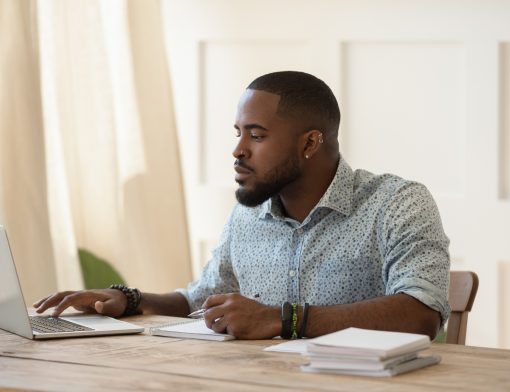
(194, 329)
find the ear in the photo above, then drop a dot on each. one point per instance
(313, 142)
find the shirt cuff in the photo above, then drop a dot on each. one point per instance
(426, 293)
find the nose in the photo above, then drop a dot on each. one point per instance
(240, 150)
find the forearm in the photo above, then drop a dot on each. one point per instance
(398, 312)
(171, 304)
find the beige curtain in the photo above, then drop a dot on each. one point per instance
(112, 159)
(23, 189)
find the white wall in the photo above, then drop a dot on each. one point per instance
(424, 90)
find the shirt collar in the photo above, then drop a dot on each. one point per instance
(271, 207)
(339, 194)
(337, 197)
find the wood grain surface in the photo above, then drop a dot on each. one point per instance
(144, 362)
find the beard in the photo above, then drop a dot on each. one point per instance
(274, 182)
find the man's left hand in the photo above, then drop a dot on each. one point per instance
(242, 317)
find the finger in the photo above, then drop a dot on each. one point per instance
(110, 307)
(38, 303)
(219, 325)
(52, 300)
(82, 308)
(214, 300)
(78, 299)
(213, 314)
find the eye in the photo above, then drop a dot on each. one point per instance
(256, 137)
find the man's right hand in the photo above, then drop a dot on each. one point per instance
(109, 302)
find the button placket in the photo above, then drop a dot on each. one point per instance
(294, 267)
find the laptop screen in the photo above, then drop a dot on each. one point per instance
(13, 311)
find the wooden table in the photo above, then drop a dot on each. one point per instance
(144, 362)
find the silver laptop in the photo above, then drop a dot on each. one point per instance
(14, 316)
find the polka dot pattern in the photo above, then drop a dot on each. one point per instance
(369, 236)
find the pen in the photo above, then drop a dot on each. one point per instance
(198, 314)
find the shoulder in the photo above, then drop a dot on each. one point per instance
(367, 182)
(387, 187)
(394, 199)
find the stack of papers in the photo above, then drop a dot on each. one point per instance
(367, 352)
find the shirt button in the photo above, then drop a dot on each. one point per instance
(292, 273)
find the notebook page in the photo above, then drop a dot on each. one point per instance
(364, 341)
(197, 327)
(194, 326)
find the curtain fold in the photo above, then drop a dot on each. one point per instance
(107, 159)
(163, 224)
(23, 191)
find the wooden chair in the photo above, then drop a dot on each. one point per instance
(463, 288)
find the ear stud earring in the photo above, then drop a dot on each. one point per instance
(306, 156)
(320, 139)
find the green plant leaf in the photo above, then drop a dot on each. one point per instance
(97, 272)
(441, 336)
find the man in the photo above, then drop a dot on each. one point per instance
(363, 250)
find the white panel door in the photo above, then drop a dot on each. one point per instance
(424, 91)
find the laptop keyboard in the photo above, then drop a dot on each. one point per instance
(51, 325)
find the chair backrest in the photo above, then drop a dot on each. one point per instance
(463, 288)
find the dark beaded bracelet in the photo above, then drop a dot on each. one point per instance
(134, 297)
(286, 320)
(302, 330)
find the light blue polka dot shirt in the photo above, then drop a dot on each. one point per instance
(369, 236)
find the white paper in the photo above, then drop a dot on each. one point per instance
(292, 346)
(365, 342)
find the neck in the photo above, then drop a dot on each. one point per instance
(299, 198)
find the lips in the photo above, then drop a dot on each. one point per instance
(241, 173)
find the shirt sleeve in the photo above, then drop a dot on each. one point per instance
(217, 276)
(417, 260)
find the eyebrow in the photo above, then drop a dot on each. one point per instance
(251, 126)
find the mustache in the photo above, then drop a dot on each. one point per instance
(240, 163)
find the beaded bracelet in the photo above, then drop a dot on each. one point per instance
(286, 320)
(294, 333)
(134, 297)
(302, 331)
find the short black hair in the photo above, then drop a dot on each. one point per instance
(303, 96)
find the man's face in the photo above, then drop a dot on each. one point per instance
(266, 155)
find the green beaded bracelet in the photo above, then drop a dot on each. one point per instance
(294, 333)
